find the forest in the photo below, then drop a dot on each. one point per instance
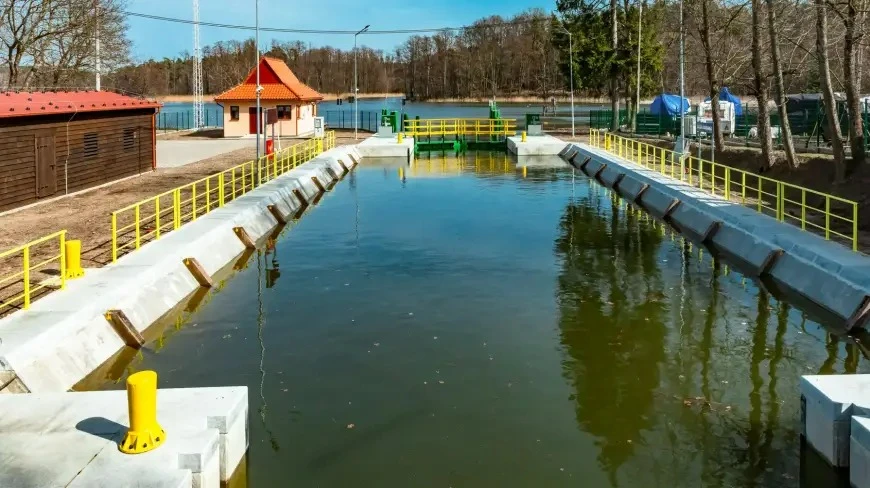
(760, 49)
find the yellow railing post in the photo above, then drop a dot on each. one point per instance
(743, 188)
(727, 182)
(760, 194)
(193, 201)
(803, 209)
(136, 217)
(114, 237)
(26, 265)
(221, 184)
(156, 218)
(662, 158)
(855, 226)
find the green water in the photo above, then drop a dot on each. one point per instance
(463, 325)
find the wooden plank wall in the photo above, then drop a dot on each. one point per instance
(112, 160)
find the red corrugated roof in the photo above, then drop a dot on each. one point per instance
(24, 104)
(288, 87)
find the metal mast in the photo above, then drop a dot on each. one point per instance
(198, 114)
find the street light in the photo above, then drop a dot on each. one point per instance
(257, 90)
(571, 70)
(355, 87)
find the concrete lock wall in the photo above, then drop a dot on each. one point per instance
(65, 336)
(827, 273)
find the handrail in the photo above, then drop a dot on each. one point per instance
(786, 202)
(150, 218)
(36, 255)
(444, 127)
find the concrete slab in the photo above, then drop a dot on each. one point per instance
(695, 220)
(828, 289)
(631, 188)
(545, 145)
(593, 168)
(206, 430)
(380, 147)
(171, 154)
(859, 452)
(658, 202)
(828, 403)
(610, 176)
(758, 254)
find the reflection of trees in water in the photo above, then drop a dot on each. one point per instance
(612, 307)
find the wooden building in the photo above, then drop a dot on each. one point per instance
(294, 101)
(59, 142)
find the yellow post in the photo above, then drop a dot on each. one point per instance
(114, 237)
(145, 433)
(73, 249)
(525, 170)
(62, 259)
(26, 265)
(157, 217)
(400, 138)
(524, 136)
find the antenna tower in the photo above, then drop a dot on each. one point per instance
(198, 113)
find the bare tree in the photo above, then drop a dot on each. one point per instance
(851, 46)
(760, 87)
(614, 69)
(827, 91)
(709, 61)
(784, 126)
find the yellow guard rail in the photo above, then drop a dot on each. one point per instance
(20, 266)
(466, 127)
(148, 219)
(828, 215)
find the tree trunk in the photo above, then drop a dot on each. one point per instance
(713, 80)
(784, 125)
(614, 72)
(850, 46)
(827, 91)
(760, 87)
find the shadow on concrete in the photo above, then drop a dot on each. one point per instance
(102, 427)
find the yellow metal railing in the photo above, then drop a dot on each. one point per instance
(828, 215)
(20, 266)
(468, 127)
(149, 219)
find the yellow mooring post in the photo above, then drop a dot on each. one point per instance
(401, 137)
(145, 433)
(73, 250)
(524, 136)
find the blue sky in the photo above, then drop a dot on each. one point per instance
(156, 39)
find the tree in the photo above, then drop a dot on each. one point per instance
(851, 47)
(760, 88)
(830, 106)
(784, 126)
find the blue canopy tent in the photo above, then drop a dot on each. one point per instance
(726, 96)
(667, 104)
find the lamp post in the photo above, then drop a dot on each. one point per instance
(681, 142)
(257, 49)
(571, 71)
(355, 87)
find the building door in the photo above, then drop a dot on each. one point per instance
(46, 174)
(252, 120)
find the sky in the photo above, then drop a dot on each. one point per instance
(158, 39)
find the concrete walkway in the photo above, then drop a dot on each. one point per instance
(172, 154)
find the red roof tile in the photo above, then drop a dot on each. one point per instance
(278, 82)
(24, 104)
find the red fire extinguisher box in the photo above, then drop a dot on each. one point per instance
(270, 146)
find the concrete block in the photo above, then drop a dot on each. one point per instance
(657, 201)
(759, 254)
(593, 167)
(828, 403)
(580, 161)
(569, 152)
(611, 175)
(378, 147)
(543, 145)
(234, 445)
(696, 220)
(827, 289)
(859, 452)
(631, 188)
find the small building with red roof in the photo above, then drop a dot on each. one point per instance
(54, 143)
(294, 102)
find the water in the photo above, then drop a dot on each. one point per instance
(468, 326)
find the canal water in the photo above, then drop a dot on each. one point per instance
(461, 323)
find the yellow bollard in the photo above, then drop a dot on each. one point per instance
(524, 136)
(145, 433)
(401, 137)
(73, 250)
(525, 169)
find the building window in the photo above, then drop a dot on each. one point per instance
(129, 138)
(91, 145)
(234, 112)
(285, 112)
